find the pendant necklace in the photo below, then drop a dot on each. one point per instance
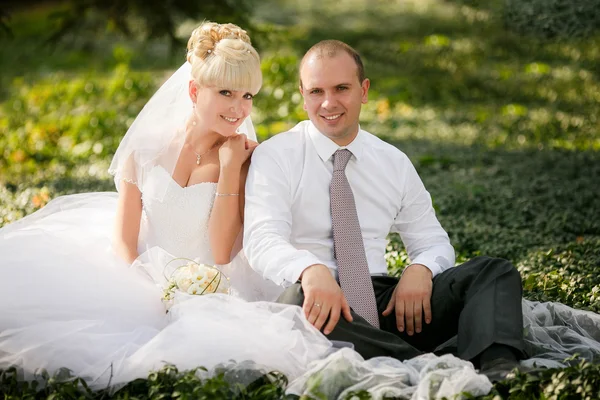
(199, 156)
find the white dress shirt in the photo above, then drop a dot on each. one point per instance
(287, 225)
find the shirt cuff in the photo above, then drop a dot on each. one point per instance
(434, 263)
(291, 273)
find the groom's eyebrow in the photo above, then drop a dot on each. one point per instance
(335, 86)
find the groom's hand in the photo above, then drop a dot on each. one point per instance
(412, 299)
(323, 298)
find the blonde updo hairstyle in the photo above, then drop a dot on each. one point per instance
(222, 55)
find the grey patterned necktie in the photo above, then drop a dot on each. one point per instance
(348, 245)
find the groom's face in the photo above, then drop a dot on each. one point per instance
(333, 95)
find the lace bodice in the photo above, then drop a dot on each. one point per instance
(178, 222)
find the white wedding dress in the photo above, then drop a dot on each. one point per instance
(66, 300)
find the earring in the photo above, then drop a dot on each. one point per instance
(194, 123)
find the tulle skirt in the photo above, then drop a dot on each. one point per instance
(67, 301)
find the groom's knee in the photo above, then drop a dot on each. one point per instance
(496, 269)
(499, 267)
(292, 295)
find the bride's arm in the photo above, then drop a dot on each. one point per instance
(225, 222)
(127, 221)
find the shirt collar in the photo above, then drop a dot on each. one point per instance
(326, 147)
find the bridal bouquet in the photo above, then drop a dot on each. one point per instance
(193, 278)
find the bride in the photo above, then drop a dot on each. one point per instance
(81, 280)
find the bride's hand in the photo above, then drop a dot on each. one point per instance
(235, 151)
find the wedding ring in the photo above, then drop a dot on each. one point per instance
(317, 305)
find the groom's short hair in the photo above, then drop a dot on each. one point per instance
(330, 48)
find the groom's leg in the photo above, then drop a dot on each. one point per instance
(368, 341)
(479, 300)
(492, 292)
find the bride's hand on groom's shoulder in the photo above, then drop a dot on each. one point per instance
(236, 151)
(323, 298)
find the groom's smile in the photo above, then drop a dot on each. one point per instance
(332, 119)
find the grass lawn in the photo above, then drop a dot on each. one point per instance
(503, 129)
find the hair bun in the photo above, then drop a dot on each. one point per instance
(221, 55)
(205, 38)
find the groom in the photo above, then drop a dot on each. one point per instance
(321, 200)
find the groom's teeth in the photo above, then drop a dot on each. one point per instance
(332, 117)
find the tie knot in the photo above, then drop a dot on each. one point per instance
(340, 159)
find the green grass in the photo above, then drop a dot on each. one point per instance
(502, 128)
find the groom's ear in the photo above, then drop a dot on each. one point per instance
(302, 93)
(366, 84)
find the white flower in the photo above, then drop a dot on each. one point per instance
(194, 289)
(198, 276)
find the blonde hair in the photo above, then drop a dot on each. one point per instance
(222, 55)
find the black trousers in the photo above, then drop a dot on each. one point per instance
(478, 301)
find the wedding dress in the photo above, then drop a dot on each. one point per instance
(66, 300)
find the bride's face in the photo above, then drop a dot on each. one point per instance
(219, 109)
